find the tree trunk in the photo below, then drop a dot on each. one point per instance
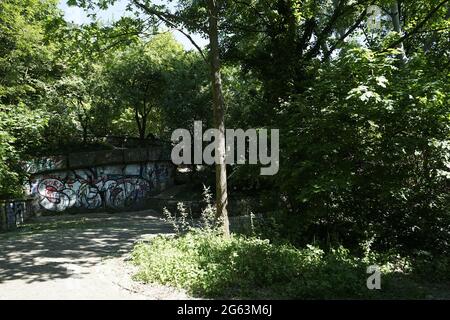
(84, 127)
(340, 30)
(140, 127)
(219, 121)
(144, 127)
(395, 15)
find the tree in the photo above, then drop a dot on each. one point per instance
(193, 16)
(362, 139)
(138, 83)
(219, 115)
(27, 71)
(188, 96)
(363, 133)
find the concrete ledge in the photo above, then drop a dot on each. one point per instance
(135, 155)
(97, 158)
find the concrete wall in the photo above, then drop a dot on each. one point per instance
(121, 179)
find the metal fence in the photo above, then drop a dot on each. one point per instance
(14, 212)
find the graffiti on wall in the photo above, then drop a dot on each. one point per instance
(99, 187)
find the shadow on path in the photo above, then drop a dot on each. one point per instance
(59, 253)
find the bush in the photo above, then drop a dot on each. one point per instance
(208, 265)
(369, 158)
(203, 261)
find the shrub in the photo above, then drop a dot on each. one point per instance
(209, 265)
(369, 158)
(183, 221)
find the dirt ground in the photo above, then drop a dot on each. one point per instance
(79, 257)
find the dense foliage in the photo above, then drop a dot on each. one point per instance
(247, 267)
(368, 158)
(209, 266)
(26, 71)
(363, 110)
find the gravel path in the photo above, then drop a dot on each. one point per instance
(78, 257)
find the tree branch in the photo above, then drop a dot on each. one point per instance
(172, 21)
(416, 27)
(339, 11)
(193, 43)
(346, 34)
(309, 29)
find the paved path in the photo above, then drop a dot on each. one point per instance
(78, 257)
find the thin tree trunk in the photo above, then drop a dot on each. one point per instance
(140, 126)
(144, 118)
(83, 127)
(395, 15)
(138, 121)
(340, 30)
(219, 121)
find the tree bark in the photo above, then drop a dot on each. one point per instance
(141, 130)
(219, 114)
(395, 15)
(84, 127)
(144, 118)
